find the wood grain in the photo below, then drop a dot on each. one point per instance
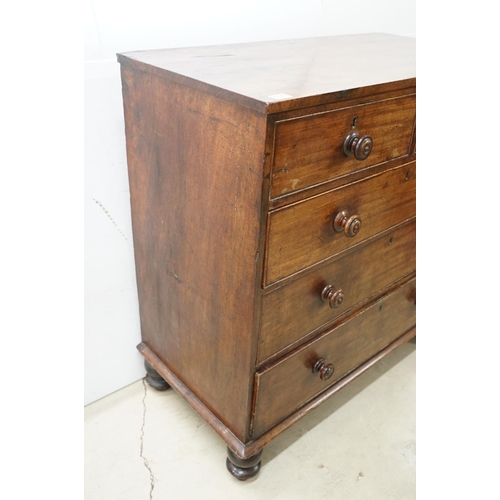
(195, 166)
(228, 276)
(301, 234)
(308, 150)
(253, 446)
(310, 71)
(212, 420)
(296, 309)
(285, 386)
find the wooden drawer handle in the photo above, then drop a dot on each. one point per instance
(332, 296)
(325, 370)
(350, 225)
(360, 147)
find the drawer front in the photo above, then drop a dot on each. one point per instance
(298, 308)
(309, 150)
(290, 383)
(303, 234)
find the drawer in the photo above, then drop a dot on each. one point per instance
(309, 150)
(303, 234)
(290, 383)
(296, 309)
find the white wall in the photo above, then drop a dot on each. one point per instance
(111, 26)
(370, 16)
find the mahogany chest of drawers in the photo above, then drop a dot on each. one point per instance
(273, 209)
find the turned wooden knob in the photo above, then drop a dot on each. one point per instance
(332, 296)
(360, 147)
(325, 370)
(350, 225)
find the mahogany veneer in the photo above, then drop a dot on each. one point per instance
(273, 210)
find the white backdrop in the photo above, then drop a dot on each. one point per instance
(111, 26)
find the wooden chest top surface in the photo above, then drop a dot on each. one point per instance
(265, 75)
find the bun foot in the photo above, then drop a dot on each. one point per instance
(154, 379)
(241, 468)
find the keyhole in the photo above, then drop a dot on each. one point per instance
(354, 122)
(390, 241)
(407, 176)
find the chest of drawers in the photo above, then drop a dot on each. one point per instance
(273, 209)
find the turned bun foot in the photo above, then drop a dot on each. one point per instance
(154, 379)
(241, 468)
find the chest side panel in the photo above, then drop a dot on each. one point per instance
(195, 171)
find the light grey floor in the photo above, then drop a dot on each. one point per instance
(141, 445)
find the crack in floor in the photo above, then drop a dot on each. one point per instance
(146, 463)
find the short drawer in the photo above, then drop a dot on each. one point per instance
(300, 307)
(290, 383)
(313, 230)
(309, 150)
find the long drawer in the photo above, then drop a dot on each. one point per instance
(309, 150)
(300, 307)
(287, 385)
(313, 230)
